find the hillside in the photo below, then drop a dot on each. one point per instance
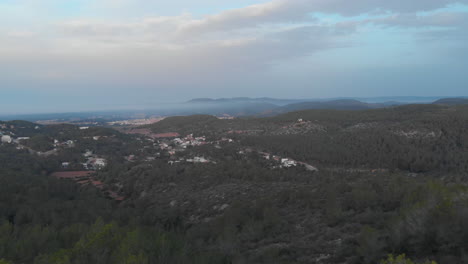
(452, 101)
(330, 105)
(314, 186)
(182, 124)
(269, 107)
(329, 117)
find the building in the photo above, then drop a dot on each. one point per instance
(288, 163)
(100, 163)
(86, 166)
(95, 163)
(130, 158)
(7, 139)
(200, 160)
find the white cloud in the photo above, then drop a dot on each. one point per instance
(180, 50)
(440, 19)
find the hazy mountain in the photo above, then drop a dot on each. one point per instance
(452, 101)
(243, 100)
(238, 106)
(242, 106)
(399, 99)
(345, 104)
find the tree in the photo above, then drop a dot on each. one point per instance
(401, 259)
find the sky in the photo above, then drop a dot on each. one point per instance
(82, 55)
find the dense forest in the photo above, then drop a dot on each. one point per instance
(390, 188)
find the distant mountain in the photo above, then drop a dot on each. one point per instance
(244, 100)
(452, 101)
(220, 107)
(237, 107)
(242, 106)
(399, 99)
(281, 102)
(345, 104)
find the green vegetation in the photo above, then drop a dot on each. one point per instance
(401, 259)
(381, 189)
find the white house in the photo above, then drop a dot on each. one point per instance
(100, 163)
(288, 163)
(200, 160)
(7, 139)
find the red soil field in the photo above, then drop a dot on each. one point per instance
(71, 174)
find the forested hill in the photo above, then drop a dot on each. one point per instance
(331, 105)
(414, 138)
(452, 101)
(183, 124)
(315, 186)
(402, 115)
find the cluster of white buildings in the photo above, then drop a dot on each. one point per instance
(136, 122)
(9, 139)
(5, 137)
(93, 161)
(190, 141)
(288, 163)
(191, 160)
(67, 143)
(180, 144)
(284, 162)
(198, 160)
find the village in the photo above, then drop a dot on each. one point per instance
(172, 143)
(170, 147)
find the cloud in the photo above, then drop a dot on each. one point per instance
(345, 7)
(234, 46)
(440, 19)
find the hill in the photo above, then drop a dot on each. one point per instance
(184, 124)
(345, 104)
(310, 186)
(262, 100)
(452, 101)
(269, 107)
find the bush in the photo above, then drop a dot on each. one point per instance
(401, 259)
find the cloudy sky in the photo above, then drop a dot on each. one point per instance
(75, 55)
